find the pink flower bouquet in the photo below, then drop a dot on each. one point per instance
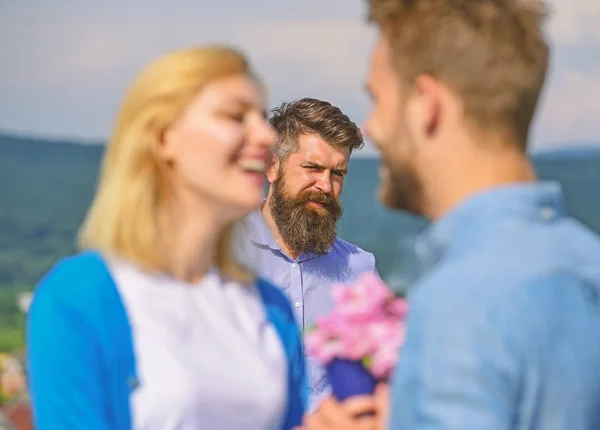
(359, 342)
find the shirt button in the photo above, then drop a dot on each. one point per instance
(294, 265)
(297, 304)
(546, 213)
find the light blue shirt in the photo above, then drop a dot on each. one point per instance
(306, 280)
(504, 330)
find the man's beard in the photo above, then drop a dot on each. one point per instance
(402, 189)
(303, 226)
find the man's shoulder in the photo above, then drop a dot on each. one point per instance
(518, 253)
(345, 248)
(527, 298)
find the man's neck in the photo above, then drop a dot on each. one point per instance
(486, 172)
(268, 216)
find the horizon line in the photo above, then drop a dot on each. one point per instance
(366, 152)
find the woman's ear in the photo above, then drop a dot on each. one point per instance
(165, 143)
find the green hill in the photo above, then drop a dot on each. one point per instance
(46, 187)
(44, 192)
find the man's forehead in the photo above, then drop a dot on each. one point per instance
(380, 59)
(383, 78)
(335, 160)
(338, 159)
(317, 151)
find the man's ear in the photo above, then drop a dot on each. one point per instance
(424, 108)
(273, 170)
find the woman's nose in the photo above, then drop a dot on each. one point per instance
(264, 134)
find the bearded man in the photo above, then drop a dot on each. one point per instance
(293, 237)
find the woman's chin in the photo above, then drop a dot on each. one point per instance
(247, 202)
(256, 178)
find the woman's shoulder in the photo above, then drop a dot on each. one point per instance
(280, 314)
(79, 280)
(272, 296)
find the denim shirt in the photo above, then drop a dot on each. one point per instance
(306, 280)
(504, 329)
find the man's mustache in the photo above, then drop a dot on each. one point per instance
(318, 197)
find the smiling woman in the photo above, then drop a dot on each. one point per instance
(155, 324)
(174, 136)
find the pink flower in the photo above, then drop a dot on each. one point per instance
(367, 324)
(397, 307)
(322, 347)
(388, 334)
(356, 343)
(335, 337)
(363, 299)
(382, 329)
(383, 361)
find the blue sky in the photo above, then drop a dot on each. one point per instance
(65, 65)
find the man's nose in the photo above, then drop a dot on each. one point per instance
(324, 182)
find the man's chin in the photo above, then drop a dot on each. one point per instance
(385, 192)
(385, 198)
(317, 208)
(392, 200)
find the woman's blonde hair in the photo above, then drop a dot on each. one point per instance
(125, 215)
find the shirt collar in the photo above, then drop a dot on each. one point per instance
(259, 231)
(535, 200)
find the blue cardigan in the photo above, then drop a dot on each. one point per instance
(81, 364)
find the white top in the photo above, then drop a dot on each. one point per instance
(206, 355)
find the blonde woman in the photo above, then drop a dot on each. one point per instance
(154, 324)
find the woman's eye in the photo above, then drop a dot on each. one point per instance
(235, 116)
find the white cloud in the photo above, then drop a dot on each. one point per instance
(574, 22)
(572, 110)
(87, 63)
(65, 67)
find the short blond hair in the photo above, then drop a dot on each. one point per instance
(126, 215)
(492, 53)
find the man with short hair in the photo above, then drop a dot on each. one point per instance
(294, 236)
(503, 328)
